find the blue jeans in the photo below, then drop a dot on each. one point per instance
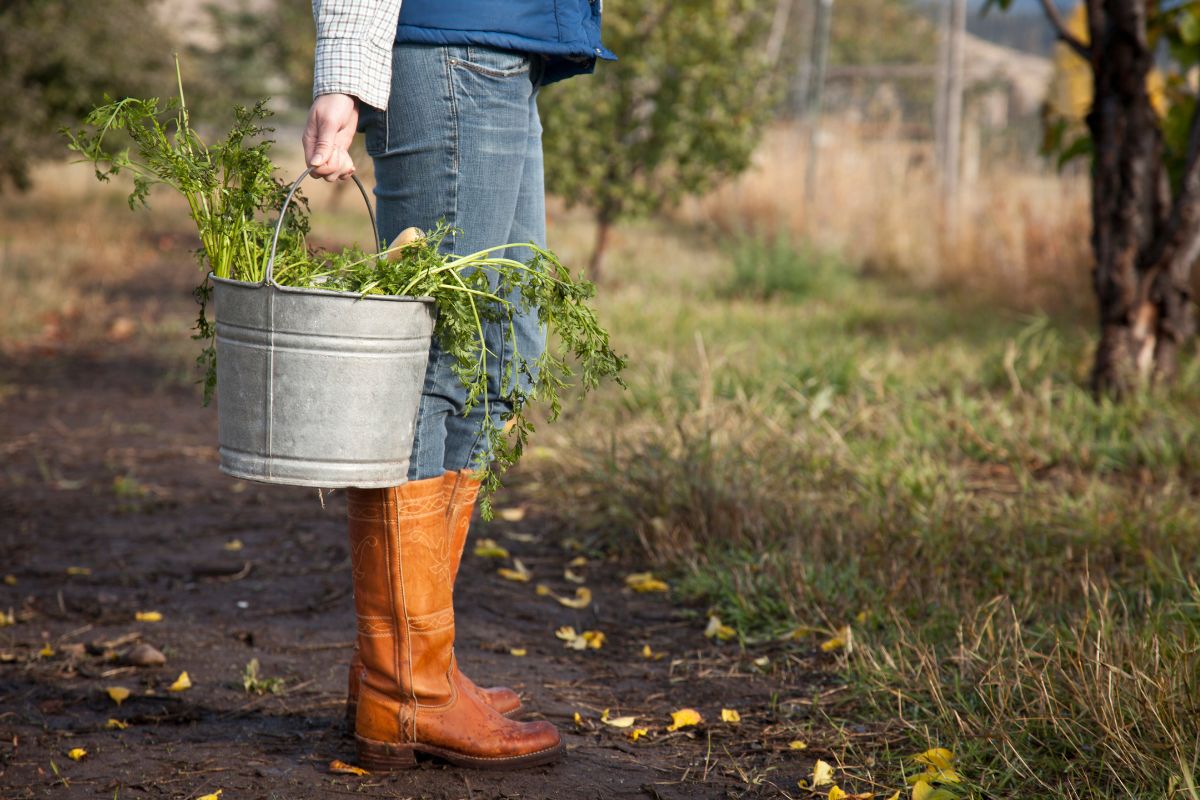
(461, 141)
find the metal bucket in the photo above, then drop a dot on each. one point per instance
(318, 388)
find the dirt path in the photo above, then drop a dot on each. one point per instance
(107, 465)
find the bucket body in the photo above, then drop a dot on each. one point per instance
(318, 388)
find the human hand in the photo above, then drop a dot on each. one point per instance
(332, 122)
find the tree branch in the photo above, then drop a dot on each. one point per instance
(1065, 35)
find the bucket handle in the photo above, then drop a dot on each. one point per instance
(268, 276)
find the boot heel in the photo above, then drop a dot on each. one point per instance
(383, 757)
(351, 714)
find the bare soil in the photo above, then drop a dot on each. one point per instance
(111, 503)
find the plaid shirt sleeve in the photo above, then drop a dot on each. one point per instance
(354, 48)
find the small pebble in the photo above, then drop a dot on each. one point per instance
(144, 655)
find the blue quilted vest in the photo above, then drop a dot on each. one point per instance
(567, 32)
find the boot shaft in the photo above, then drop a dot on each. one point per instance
(402, 566)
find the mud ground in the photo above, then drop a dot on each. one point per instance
(111, 503)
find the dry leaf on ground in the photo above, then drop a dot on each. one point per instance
(182, 683)
(716, 629)
(684, 718)
(342, 768)
(519, 572)
(487, 548)
(645, 582)
(617, 722)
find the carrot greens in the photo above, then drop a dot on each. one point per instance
(232, 190)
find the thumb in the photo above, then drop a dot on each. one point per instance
(320, 154)
(323, 149)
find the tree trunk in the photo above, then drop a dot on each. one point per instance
(1145, 222)
(1128, 213)
(595, 269)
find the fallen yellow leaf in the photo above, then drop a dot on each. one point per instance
(523, 538)
(731, 716)
(214, 796)
(487, 548)
(580, 641)
(77, 754)
(181, 683)
(937, 757)
(79, 570)
(637, 733)
(541, 590)
(46, 652)
(519, 652)
(7, 618)
(519, 572)
(933, 775)
(582, 598)
(716, 629)
(342, 768)
(822, 773)
(573, 577)
(578, 720)
(796, 744)
(837, 642)
(762, 662)
(117, 694)
(510, 514)
(116, 725)
(924, 791)
(861, 617)
(896, 796)
(233, 545)
(10, 580)
(836, 793)
(578, 561)
(617, 722)
(683, 718)
(148, 616)
(645, 582)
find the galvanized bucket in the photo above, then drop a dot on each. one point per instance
(318, 388)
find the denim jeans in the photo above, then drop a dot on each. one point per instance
(461, 141)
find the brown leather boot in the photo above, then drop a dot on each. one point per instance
(409, 700)
(459, 491)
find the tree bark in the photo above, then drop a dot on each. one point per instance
(1128, 212)
(595, 269)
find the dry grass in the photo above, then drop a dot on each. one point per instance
(1022, 234)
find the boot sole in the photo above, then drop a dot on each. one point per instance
(387, 757)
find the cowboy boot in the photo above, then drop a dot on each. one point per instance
(409, 701)
(459, 492)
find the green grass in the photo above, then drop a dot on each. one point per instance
(1017, 562)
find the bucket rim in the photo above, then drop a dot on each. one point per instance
(424, 299)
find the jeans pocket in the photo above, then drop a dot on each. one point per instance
(492, 61)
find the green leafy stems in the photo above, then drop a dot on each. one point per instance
(231, 191)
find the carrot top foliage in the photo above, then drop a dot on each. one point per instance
(232, 190)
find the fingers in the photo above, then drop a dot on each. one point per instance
(332, 121)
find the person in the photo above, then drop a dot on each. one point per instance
(445, 92)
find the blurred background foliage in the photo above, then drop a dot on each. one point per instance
(57, 60)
